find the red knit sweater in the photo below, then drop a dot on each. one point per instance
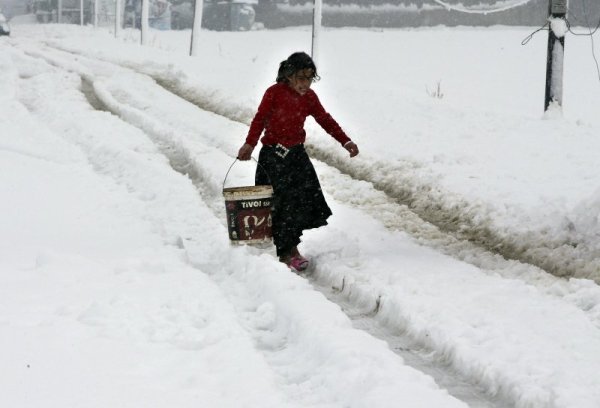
(281, 114)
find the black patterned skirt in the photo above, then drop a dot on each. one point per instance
(298, 202)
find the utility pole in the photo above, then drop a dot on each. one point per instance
(196, 27)
(95, 14)
(316, 28)
(144, 22)
(117, 18)
(557, 11)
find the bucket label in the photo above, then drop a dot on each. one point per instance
(249, 220)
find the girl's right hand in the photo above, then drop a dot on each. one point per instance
(245, 152)
(352, 148)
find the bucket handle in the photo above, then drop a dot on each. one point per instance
(236, 159)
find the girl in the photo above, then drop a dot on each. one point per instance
(298, 201)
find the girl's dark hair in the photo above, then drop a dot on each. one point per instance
(296, 62)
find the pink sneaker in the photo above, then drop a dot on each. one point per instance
(298, 263)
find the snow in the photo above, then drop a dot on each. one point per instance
(558, 26)
(119, 286)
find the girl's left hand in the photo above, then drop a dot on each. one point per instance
(352, 148)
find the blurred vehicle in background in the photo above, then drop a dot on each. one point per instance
(160, 15)
(4, 27)
(182, 14)
(132, 13)
(44, 10)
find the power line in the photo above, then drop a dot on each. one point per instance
(590, 34)
(530, 36)
(483, 8)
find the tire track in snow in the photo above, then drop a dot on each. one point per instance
(412, 352)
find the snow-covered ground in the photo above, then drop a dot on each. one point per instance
(118, 286)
